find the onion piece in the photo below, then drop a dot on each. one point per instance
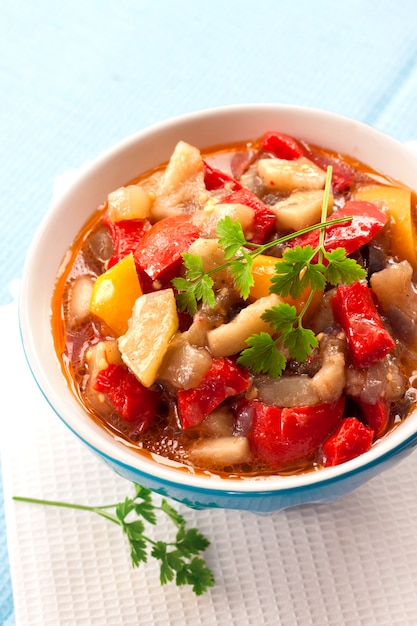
(184, 366)
(79, 300)
(220, 451)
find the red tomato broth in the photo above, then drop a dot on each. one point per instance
(165, 436)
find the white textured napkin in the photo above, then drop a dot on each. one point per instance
(353, 562)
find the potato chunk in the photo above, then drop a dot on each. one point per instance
(212, 255)
(181, 188)
(220, 451)
(302, 208)
(231, 338)
(283, 175)
(129, 203)
(207, 220)
(153, 323)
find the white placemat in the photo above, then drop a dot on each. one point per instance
(353, 562)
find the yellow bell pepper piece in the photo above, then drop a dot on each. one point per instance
(263, 269)
(154, 322)
(114, 294)
(402, 228)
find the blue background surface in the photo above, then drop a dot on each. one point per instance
(76, 77)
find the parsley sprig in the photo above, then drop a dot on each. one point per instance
(299, 268)
(179, 560)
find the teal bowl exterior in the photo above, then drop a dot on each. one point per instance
(69, 213)
(265, 501)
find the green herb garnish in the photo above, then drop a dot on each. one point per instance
(179, 560)
(299, 268)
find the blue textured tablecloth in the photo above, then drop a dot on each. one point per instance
(75, 77)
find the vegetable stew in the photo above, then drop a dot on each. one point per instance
(245, 310)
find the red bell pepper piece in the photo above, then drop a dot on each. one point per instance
(264, 218)
(367, 221)
(291, 435)
(159, 251)
(282, 146)
(224, 379)
(376, 416)
(216, 179)
(350, 439)
(132, 401)
(126, 236)
(367, 338)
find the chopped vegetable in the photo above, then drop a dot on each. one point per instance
(300, 209)
(125, 236)
(184, 364)
(231, 338)
(264, 218)
(263, 272)
(129, 203)
(159, 251)
(349, 440)
(368, 339)
(209, 219)
(285, 176)
(154, 321)
(101, 355)
(181, 188)
(367, 221)
(290, 435)
(79, 302)
(282, 146)
(224, 379)
(394, 288)
(216, 179)
(376, 415)
(133, 401)
(221, 451)
(114, 294)
(343, 174)
(403, 237)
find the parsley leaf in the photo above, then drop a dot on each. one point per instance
(262, 355)
(178, 559)
(194, 265)
(197, 285)
(281, 318)
(341, 269)
(197, 575)
(241, 270)
(299, 342)
(296, 272)
(231, 236)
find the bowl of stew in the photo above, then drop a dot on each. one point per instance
(222, 307)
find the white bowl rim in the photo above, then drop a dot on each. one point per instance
(403, 436)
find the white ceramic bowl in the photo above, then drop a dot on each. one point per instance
(116, 167)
